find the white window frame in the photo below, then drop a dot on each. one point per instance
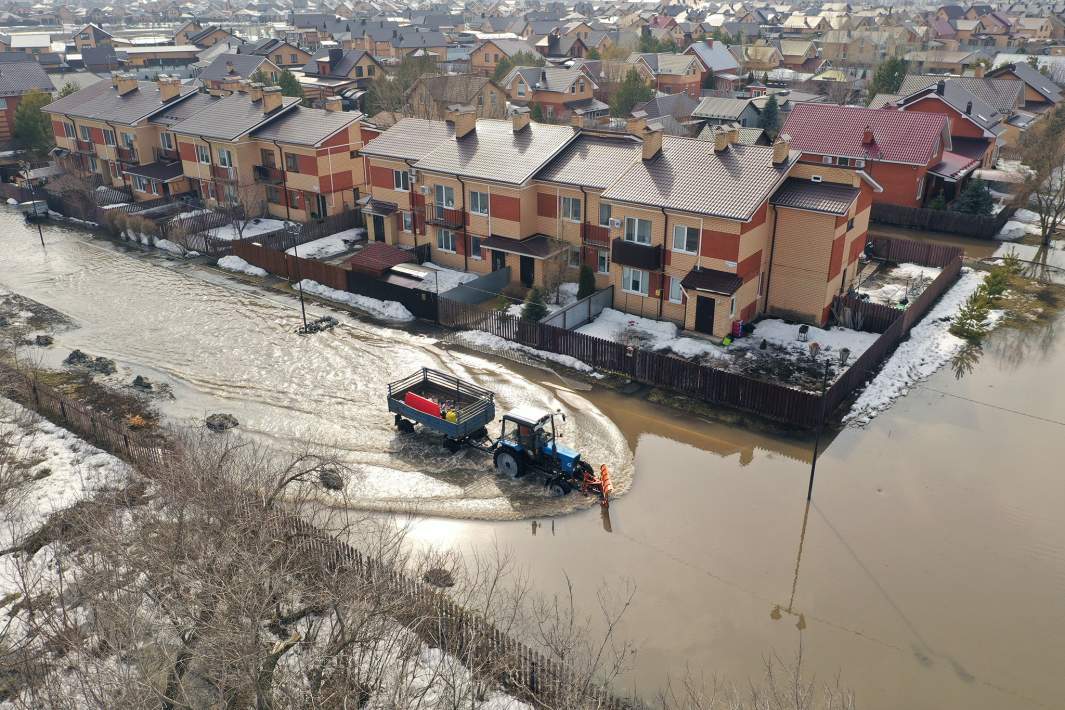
(920, 187)
(166, 140)
(681, 231)
(401, 180)
(635, 233)
(85, 134)
(109, 137)
(479, 203)
(732, 307)
(606, 206)
(442, 237)
(444, 195)
(475, 247)
(826, 159)
(140, 183)
(225, 157)
(644, 287)
(128, 140)
(521, 88)
(574, 256)
(602, 261)
(674, 282)
(569, 206)
(69, 131)
(408, 221)
(203, 155)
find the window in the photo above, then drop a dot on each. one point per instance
(571, 209)
(166, 140)
(294, 199)
(602, 261)
(401, 180)
(574, 256)
(676, 293)
(225, 158)
(604, 215)
(266, 158)
(229, 193)
(843, 162)
(408, 221)
(203, 154)
(127, 140)
(293, 59)
(580, 86)
(273, 195)
(369, 70)
(634, 281)
(732, 307)
(827, 160)
(93, 166)
(358, 72)
(685, 239)
(850, 224)
(445, 240)
(140, 183)
(292, 162)
(68, 130)
(475, 247)
(573, 88)
(109, 137)
(521, 88)
(277, 59)
(637, 230)
(445, 195)
(86, 134)
(920, 188)
(478, 202)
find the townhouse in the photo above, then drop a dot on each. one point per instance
(252, 147)
(331, 71)
(705, 234)
(486, 56)
(558, 92)
(283, 54)
(227, 70)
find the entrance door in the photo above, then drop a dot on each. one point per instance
(704, 315)
(528, 269)
(499, 260)
(378, 228)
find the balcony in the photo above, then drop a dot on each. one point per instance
(165, 154)
(638, 256)
(84, 146)
(126, 155)
(221, 172)
(444, 216)
(595, 235)
(268, 175)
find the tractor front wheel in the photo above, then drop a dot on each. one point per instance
(557, 488)
(507, 464)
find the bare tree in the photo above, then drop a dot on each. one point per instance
(1044, 154)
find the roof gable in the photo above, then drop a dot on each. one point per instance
(898, 136)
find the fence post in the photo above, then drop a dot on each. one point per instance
(63, 410)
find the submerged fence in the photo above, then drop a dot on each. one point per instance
(430, 614)
(967, 225)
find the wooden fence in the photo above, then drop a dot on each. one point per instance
(967, 225)
(923, 253)
(429, 613)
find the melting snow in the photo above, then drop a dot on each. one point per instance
(235, 263)
(445, 279)
(480, 340)
(253, 228)
(330, 246)
(386, 310)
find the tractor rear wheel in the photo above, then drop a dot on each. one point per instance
(557, 488)
(507, 464)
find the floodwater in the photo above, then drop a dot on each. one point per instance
(929, 572)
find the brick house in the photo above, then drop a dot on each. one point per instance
(976, 127)
(485, 57)
(673, 73)
(16, 80)
(558, 92)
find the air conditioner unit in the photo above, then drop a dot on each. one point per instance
(615, 223)
(413, 176)
(424, 189)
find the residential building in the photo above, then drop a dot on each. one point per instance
(702, 233)
(721, 70)
(1040, 93)
(430, 96)
(977, 129)
(715, 111)
(333, 70)
(557, 91)
(91, 36)
(672, 73)
(226, 71)
(16, 80)
(486, 56)
(210, 36)
(283, 54)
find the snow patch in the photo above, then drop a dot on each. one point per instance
(1014, 230)
(235, 263)
(229, 232)
(330, 246)
(445, 278)
(12, 201)
(619, 327)
(928, 348)
(831, 340)
(480, 340)
(386, 310)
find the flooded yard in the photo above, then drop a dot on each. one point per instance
(928, 573)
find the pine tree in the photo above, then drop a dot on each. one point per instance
(771, 116)
(630, 92)
(68, 89)
(586, 282)
(536, 113)
(535, 308)
(33, 129)
(975, 199)
(888, 77)
(290, 85)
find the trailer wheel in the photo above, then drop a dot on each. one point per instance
(405, 426)
(508, 465)
(452, 445)
(557, 488)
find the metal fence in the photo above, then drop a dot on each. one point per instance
(583, 311)
(429, 613)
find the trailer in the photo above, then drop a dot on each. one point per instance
(528, 443)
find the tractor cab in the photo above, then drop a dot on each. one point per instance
(529, 442)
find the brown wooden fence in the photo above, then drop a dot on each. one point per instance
(485, 649)
(967, 225)
(291, 267)
(923, 253)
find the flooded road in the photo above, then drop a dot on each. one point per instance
(932, 565)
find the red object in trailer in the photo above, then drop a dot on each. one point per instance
(421, 404)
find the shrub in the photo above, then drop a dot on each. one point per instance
(535, 308)
(1011, 262)
(997, 281)
(971, 321)
(586, 282)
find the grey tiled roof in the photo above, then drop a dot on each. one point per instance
(232, 66)
(592, 161)
(409, 139)
(307, 126)
(19, 77)
(1034, 78)
(101, 101)
(1003, 95)
(231, 117)
(510, 47)
(687, 175)
(342, 69)
(546, 78)
(495, 152)
(714, 107)
(177, 112)
(828, 197)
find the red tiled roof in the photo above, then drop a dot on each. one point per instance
(377, 258)
(898, 136)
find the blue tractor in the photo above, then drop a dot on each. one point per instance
(528, 442)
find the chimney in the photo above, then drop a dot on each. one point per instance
(978, 71)
(519, 118)
(867, 136)
(652, 143)
(463, 118)
(941, 87)
(255, 91)
(114, 79)
(335, 55)
(734, 134)
(242, 86)
(332, 103)
(969, 108)
(169, 87)
(710, 42)
(721, 139)
(126, 84)
(271, 99)
(636, 126)
(781, 149)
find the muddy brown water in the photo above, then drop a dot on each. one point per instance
(932, 565)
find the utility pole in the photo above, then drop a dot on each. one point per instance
(33, 199)
(817, 438)
(299, 283)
